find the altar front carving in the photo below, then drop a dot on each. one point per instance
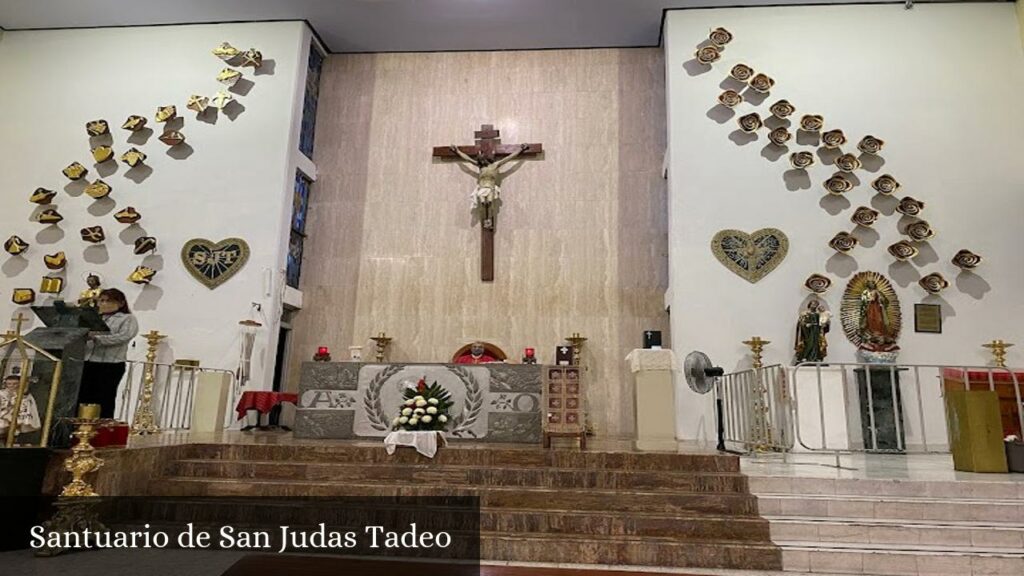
(492, 402)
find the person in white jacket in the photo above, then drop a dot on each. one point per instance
(107, 352)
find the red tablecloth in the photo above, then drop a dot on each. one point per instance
(262, 402)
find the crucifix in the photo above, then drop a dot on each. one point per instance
(487, 155)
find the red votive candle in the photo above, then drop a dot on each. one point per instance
(529, 352)
(322, 351)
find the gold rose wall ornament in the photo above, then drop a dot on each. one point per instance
(848, 163)
(750, 122)
(885, 184)
(801, 160)
(761, 83)
(779, 136)
(730, 98)
(782, 109)
(42, 196)
(910, 206)
(720, 36)
(50, 216)
(838, 184)
(15, 245)
(833, 139)
(966, 260)
(128, 216)
(75, 171)
(812, 122)
(818, 283)
(134, 123)
(742, 72)
(903, 250)
(97, 128)
(172, 138)
(226, 51)
(864, 216)
(102, 153)
(843, 242)
(166, 113)
(933, 283)
(98, 189)
(133, 157)
(870, 145)
(197, 103)
(920, 231)
(708, 54)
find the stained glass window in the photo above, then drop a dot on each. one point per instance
(300, 206)
(294, 269)
(310, 100)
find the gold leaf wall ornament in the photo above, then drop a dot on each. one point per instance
(102, 153)
(133, 157)
(98, 190)
(93, 234)
(818, 283)
(51, 285)
(801, 160)
(910, 206)
(903, 250)
(933, 283)
(864, 216)
(742, 72)
(166, 113)
(750, 122)
(23, 296)
(885, 184)
(870, 312)
(966, 260)
(838, 184)
(198, 103)
(720, 36)
(50, 216)
(779, 136)
(730, 98)
(761, 83)
(142, 275)
(708, 55)
(843, 242)
(15, 245)
(42, 196)
(920, 231)
(75, 171)
(229, 77)
(221, 99)
(134, 123)
(252, 57)
(128, 216)
(782, 109)
(56, 261)
(226, 51)
(97, 128)
(833, 139)
(145, 244)
(848, 163)
(870, 145)
(812, 122)
(751, 256)
(172, 138)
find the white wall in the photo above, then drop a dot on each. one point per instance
(941, 84)
(236, 180)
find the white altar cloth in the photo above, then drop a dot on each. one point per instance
(424, 442)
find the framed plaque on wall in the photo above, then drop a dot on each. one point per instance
(928, 318)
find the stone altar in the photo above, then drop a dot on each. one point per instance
(346, 400)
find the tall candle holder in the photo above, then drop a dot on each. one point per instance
(577, 344)
(760, 425)
(756, 348)
(145, 419)
(998, 349)
(382, 342)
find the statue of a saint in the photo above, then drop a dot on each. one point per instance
(87, 298)
(876, 328)
(811, 328)
(488, 181)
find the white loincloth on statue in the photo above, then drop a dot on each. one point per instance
(485, 195)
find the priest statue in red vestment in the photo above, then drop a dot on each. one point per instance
(477, 355)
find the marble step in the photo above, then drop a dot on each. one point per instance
(490, 497)
(894, 560)
(657, 481)
(891, 507)
(897, 532)
(495, 455)
(974, 489)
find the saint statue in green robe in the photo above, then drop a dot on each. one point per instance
(811, 328)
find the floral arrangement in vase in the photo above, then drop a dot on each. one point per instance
(425, 408)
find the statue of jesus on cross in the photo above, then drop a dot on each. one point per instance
(488, 182)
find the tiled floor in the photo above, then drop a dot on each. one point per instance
(930, 467)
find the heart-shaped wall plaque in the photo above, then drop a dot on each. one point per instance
(214, 263)
(752, 256)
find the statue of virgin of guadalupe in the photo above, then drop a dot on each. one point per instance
(876, 328)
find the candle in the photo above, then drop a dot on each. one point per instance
(89, 411)
(529, 352)
(322, 351)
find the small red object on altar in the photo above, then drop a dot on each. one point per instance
(322, 354)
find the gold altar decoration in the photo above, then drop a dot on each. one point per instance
(198, 103)
(226, 51)
(998, 350)
(83, 460)
(920, 231)
(812, 122)
(782, 109)
(757, 345)
(42, 196)
(843, 242)
(128, 216)
(817, 283)
(838, 184)
(166, 113)
(577, 347)
(50, 216)
(142, 275)
(102, 153)
(864, 216)
(933, 283)
(870, 145)
(801, 160)
(903, 250)
(144, 244)
(133, 157)
(848, 163)
(93, 234)
(760, 426)
(134, 123)
(222, 99)
(97, 128)
(51, 285)
(751, 256)
(229, 77)
(869, 285)
(885, 184)
(910, 206)
(966, 260)
(55, 261)
(730, 98)
(252, 57)
(833, 139)
(98, 189)
(381, 340)
(90, 411)
(761, 83)
(779, 136)
(742, 72)
(750, 122)
(708, 54)
(14, 348)
(75, 171)
(720, 36)
(15, 245)
(145, 420)
(172, 138)
(23, 296)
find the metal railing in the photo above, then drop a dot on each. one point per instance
(173, 393)
(753, 410)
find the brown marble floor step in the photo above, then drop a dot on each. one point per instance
(493, 455)
(490, 497)
(658, 481)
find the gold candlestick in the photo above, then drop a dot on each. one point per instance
(577, 345)
(83, 459)
(761, 428)
(998, 349)
(756, 347)
(382, 342)
(145, 420)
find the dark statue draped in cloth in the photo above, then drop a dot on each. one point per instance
(811, 328)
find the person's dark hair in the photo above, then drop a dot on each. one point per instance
(115, 295)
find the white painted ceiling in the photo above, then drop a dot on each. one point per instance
(393, 25)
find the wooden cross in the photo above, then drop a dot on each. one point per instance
(487, 150)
